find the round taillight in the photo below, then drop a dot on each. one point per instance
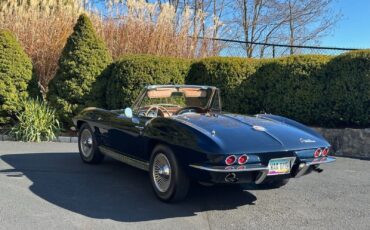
(242, 159)
(317, 153)
(230, 160)
(325, 152)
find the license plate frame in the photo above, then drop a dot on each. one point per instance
(280, 166)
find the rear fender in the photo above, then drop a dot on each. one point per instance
(189, 144)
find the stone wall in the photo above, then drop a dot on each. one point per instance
(348, 142)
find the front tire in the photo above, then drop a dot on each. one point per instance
(169, 181)
(88, 146)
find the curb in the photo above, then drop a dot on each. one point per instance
(61, 139)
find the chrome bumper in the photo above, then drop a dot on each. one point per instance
(303, 166)
(241, 168)
(231, 169)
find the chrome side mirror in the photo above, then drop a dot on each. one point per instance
(128, 112)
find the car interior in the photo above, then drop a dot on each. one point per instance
(167, 102)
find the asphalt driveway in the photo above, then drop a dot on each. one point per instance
(46, 186)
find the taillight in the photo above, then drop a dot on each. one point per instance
(242, 159)
(230, 159)
(317, 153)
(325, 152)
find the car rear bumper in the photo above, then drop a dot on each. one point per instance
(253, 173)
(304, 166)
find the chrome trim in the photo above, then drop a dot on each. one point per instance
(302, 171)
(139, 127)
(235, 159)
(161, 172)
(136, 105)
(229, 169)
(86, 143)
(316, 161)
(261, 177)
(124, 158)
(179, 86)
(245, 161)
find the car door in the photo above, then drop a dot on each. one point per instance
(125, 134)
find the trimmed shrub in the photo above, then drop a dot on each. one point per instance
(83, 59)
(36, 122)
(131, 73)
(15, 74)
(99, 88)
(289, 86)
(226, 74)
(347, 87)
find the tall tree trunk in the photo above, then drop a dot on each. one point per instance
(246, 26)
(291, 27)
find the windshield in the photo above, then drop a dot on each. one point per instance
(169, 101)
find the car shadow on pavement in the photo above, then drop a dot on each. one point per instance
(112, 190)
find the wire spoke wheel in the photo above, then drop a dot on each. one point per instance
(86, 143)
(161, 172)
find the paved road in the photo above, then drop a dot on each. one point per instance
(46, 186)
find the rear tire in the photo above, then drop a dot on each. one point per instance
(169, 181)
(88, 146)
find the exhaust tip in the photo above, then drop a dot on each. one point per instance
(231, 178)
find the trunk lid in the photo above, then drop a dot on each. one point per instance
(239, 134)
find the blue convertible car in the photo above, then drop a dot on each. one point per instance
(179, 134)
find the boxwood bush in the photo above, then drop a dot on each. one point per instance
(227, 74)
(131, 73)
(289, 86)
(347, 90)
(83, 59)
(15, 75)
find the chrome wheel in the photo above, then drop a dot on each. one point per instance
(86, 143)
(161, 172)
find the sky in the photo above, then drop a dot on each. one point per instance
(353, 29)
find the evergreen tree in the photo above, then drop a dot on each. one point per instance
(15, 75)
(83, 59)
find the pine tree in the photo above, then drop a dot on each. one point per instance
(15, 75)
(83, 59)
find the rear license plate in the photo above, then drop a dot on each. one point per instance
(280, 166)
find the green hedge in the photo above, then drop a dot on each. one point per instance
(347, 87)
(131, 73)
(15, 75)
(226, 74)
(83, 59)
(289, 86)
(313, 89)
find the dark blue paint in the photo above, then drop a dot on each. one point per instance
(204, 139)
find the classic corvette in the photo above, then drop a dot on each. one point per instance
(179, 134)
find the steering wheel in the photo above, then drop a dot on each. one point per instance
(158, 109)
(190, 109)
